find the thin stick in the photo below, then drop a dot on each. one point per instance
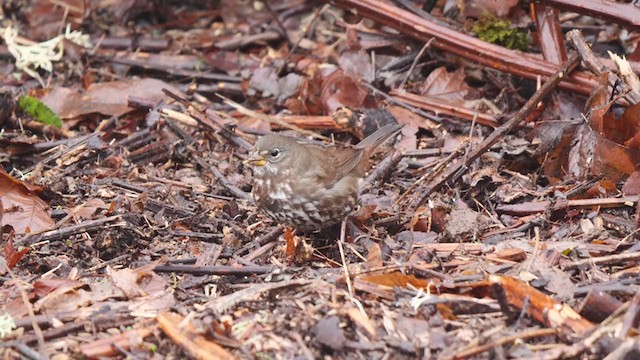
(403, 104)
(213, 270)
(222, 180)
(415, 61)
(270, 119)
(29, 307)
(343, 230)
(276, 17)
(604, 260)
(536, 249)
(462, 165)
(304, 35)
(467, 353)
(430, 174)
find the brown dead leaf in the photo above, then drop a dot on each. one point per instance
(23, 144)
(67, 296)
(598, 103)
(22, 208)
(632, 185)
(412, 123)
(89, 208)
(447, 86)
(290, 250)
(340, 90)
(602, 188)
(624, 130)
(109, 98)
(399, 279)
(363, 214)
(576, 149)
(254, 123)
(554, 130)
(374, 257)
(137, 282)
(540, 306)
(109, 347)
(43, 287)
(11, 256)
(127, 281)
(188, 338)
(613, 160)
(45, 17)
(307, 102)
(612, 143)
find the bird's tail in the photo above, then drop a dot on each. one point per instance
(379, 137)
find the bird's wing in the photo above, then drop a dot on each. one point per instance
(337, 163)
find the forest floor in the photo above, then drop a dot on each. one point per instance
(502, 222)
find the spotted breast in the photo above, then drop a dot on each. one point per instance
(310, 186)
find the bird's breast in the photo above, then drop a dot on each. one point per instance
(301, 200)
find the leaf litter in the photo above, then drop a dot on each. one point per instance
(495, 226)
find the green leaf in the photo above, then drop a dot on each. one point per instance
(39, 111)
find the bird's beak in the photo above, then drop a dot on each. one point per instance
(255, 160)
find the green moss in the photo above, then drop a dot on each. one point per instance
(39, 111)
(497, 31)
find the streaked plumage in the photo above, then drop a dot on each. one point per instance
(310, 186)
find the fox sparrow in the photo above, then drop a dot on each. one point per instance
(311, 186)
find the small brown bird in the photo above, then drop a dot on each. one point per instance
(311, 186)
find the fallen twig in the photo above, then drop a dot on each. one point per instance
(476, 350)
(494, 56)
(617, 12)
(214, 270)
(87, 226)
(604, 260)
(541, 206)
(462, 165)
(594, 64)
(440, 107)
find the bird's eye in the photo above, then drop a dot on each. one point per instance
(275, 152)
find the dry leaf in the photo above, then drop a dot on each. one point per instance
(23, 209)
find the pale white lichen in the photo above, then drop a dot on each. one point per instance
(31, 56)
(421, 296)
(7, 324)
